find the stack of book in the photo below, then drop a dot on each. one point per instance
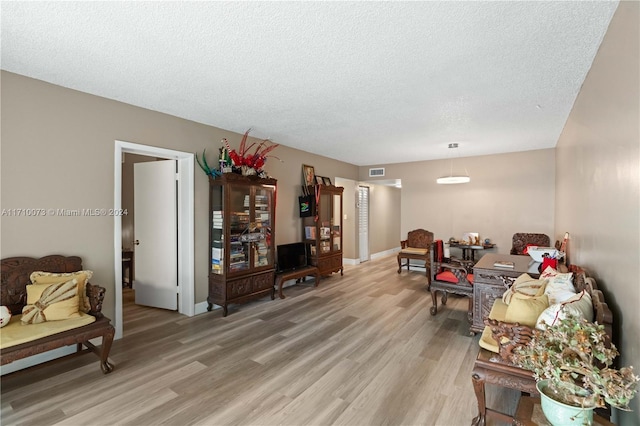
(217, 219)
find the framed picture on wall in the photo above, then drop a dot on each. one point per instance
(326, 180)
(308, 175)
(319, 180)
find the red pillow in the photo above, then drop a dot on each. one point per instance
(449, 277)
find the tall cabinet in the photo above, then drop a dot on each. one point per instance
(322, 231)
(241, 239)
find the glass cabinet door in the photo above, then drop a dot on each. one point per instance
(217, 230)
(336, 232)
(261, 227)
(239, 221)
(325, 218)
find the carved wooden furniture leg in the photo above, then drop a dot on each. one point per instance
(107, 340)
(279, 282)
(445, 297)
(400, 264)
(478, 387)
(434, 301)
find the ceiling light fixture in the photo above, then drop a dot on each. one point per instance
(451, 178)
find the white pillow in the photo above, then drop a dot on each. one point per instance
(560, 288)
(580, 304)
(5, 316)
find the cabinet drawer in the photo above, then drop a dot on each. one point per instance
(248, 285)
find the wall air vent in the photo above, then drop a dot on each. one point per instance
(379, 172)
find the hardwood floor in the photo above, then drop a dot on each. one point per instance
(361, 349)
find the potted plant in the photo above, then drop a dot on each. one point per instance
(571, 362)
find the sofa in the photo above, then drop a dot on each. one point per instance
(46, 314)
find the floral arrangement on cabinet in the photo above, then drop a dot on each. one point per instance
(246, 160)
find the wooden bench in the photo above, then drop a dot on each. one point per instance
(13, 294)
(296, 274)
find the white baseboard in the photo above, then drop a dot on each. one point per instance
(201, 308)
(23, 363)
(385, 253)
(352, 262)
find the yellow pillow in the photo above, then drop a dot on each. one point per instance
(40, 277)
(527, 310)
(524, 286)
(51, 302)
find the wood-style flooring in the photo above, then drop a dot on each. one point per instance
(360, 349)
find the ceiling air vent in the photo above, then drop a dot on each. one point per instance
(379, 172)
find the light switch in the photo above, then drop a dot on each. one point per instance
(345, 216)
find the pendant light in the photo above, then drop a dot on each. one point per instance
(451, 178)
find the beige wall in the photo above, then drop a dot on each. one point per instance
(58, 152)
(508, 193)
(384, 218)
(598, 180)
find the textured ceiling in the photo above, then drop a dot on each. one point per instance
(364, 82)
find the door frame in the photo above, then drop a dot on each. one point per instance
(186, 232)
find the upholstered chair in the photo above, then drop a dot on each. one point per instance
(449, 276)
(416, 246)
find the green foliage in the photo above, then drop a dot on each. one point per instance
(205, 166)
(575, 357)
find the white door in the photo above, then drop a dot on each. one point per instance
(155, 227)
(363, 222)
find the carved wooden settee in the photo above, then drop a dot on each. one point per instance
(416, 246)
(520, 241)
(497, 368)
(16, 272)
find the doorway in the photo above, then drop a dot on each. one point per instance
(363, 223)
(185, 225)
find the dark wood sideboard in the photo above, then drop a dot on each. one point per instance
(490, 282)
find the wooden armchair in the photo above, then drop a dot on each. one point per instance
(521, 240)
(449, 276)
(416, 246)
